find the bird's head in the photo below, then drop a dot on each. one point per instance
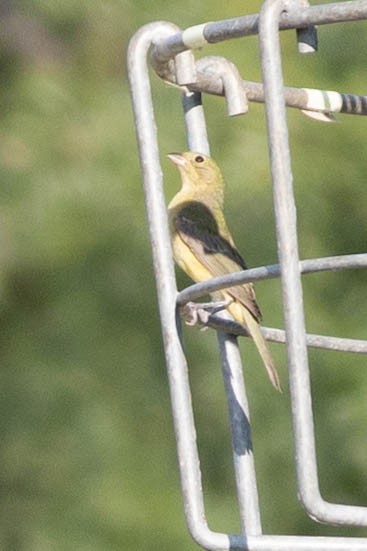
(197, 170)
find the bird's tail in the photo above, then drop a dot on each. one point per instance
(241, 314)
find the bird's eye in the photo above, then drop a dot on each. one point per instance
(199, 159)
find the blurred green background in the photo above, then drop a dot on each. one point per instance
(87, 448)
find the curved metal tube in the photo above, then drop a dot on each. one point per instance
(286, 226)
(152, 37)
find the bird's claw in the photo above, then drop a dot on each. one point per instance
(199, 313)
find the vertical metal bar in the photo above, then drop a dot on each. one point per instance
(286, 226)
(185, 68)
(231, 365)
(183, 418)
(307, 40)
(239, 415)
(197, 136)
(165, 278)
(307, 37)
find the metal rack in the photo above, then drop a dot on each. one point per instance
(169, 51)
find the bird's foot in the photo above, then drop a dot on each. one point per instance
(198, 313)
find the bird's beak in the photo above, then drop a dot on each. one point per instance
(177, 159)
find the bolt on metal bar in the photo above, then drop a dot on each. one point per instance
(286, 227)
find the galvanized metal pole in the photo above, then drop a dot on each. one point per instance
(229, 351)
(165, 278)
(286, 226)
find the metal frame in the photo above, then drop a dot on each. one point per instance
(170, 54)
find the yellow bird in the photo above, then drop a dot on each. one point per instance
(203, 246)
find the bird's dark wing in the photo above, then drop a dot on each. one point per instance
(198, 228)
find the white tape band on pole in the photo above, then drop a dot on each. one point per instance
(193, 37)
(325, 101)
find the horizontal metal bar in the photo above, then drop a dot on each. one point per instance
(320, 341)
(218, 76)
(332, 263)
(304, 543)
(216, 541)
(293, 18)
(271, 334)
(310, 99)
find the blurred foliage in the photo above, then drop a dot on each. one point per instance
(87, 447)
